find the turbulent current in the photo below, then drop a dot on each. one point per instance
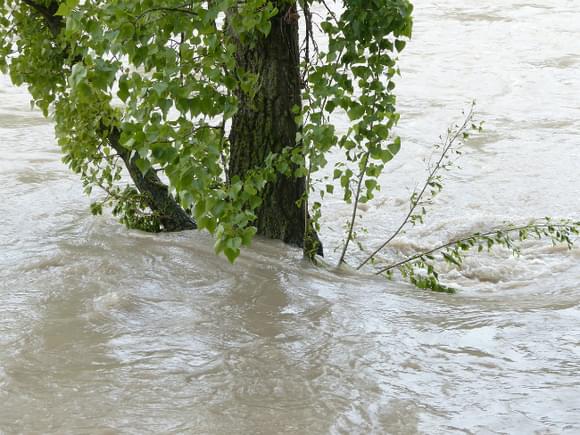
(105, 330)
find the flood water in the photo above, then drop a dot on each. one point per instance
(105, 330)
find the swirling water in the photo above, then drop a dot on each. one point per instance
(105, 330)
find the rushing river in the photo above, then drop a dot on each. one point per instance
(106, 331)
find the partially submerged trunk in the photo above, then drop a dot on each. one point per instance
(265, 124)
(156, 193)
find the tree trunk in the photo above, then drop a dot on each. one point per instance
(265, 124)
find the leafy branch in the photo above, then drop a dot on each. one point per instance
(452, 252)
(361, 176)
(433, 180)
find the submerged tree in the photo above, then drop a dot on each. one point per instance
(218, 111)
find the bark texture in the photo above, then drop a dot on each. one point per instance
(265, 124)
(171, 215)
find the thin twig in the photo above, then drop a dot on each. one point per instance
(430, 178)
(361, 177)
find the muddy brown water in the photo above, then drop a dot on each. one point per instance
(106, 331)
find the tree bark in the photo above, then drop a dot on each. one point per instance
(265, 124)
(156, 193)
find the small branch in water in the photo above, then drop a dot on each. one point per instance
(355, 207)
(450, 141)
(562, 232)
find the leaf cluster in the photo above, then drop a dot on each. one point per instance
(155, 84)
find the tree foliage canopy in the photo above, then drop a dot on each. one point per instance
(155, 84)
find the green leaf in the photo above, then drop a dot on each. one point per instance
(248, 235)
(66, 8)
(143, 165)
(400, 45)
(78, 73)
(356, 111)
(231, 253)
(395, 147)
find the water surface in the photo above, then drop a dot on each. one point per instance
(105, 330)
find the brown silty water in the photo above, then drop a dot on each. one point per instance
(105, 330)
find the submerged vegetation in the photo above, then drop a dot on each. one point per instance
(220, 113)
